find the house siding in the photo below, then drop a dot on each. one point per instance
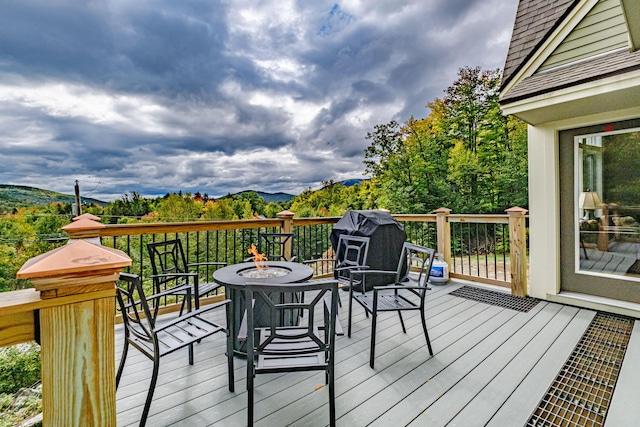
(603, 30)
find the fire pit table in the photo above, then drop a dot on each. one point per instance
(235, 276)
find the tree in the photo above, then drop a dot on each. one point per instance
(179, 208)
(466, 155)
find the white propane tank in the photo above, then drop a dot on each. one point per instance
(439, 271)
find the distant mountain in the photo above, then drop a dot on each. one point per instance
(271, 197)
(351, 182)
(19, 196)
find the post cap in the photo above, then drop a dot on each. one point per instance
(285, 214)
(75, 257)
(516, 210)
(86, 216)
(83, 224)
(442, 211)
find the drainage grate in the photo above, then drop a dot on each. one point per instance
(496, 298)
(580, 394)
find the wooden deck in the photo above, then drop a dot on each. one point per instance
(491, 366)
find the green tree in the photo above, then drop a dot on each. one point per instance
(466, 155)
(179, 208)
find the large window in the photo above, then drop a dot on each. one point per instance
(607, 204)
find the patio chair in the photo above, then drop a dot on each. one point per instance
(406, 294)
(156, 338)
(273, 246)
(276, 349)
(171, 270)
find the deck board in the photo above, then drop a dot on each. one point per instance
(491, 366)
(517, 409)
(483, 406)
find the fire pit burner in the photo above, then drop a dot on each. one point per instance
(264, 273)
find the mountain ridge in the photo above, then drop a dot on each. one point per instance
(22, 196)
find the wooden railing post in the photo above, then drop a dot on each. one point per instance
(444, 234)
(518, 250)
(76, 328)
(287, 227)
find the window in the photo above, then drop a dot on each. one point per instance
(607, 203)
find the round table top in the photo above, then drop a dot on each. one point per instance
(229, 275)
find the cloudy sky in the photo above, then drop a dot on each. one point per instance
(221, 96)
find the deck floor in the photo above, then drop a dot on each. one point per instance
(491, 366)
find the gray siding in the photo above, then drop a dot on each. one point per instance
(602, 30)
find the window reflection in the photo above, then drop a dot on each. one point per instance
(607, 200)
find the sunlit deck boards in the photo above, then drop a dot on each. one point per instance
(491, 367)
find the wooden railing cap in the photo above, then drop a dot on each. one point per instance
(86, 216)
(285, 214)
(442, 210)
(516, 210)
(83, 224)
(75, 257)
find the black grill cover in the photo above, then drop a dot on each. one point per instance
(386, 239)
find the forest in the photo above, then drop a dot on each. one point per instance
(465, 155)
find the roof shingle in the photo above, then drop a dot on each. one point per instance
(535, 20)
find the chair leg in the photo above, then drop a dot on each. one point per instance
(152, 387)
(249, 392)
(372, 355)
(426, 334)
(350, 312)
(230, 369)
(184, 300)
(332, 398)
(190, 354)
(123, 359)
(402, 322)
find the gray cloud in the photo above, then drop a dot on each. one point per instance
(219, 97)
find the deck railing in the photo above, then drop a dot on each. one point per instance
(476, 247)
(71, 310)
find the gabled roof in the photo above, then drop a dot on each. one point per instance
(583, 72)
(558, 45)
(535, 21)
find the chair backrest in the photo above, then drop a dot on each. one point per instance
(351, 252)
(134, 307)
(272, 295)
(166, 258)
(273, 245)
(415, 263)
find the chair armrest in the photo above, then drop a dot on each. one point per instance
(382, 288)
(313, 261)
(213, 263)
(352, 268)
(168, 275)
(170, 291)
(365, 272)
(192, 314)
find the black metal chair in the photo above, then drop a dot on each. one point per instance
(274, 246)
(171, 270)
(292, 348)
(156, 338)
(406, 294)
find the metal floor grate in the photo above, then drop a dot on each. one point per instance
(496, 298)
(580, 394)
